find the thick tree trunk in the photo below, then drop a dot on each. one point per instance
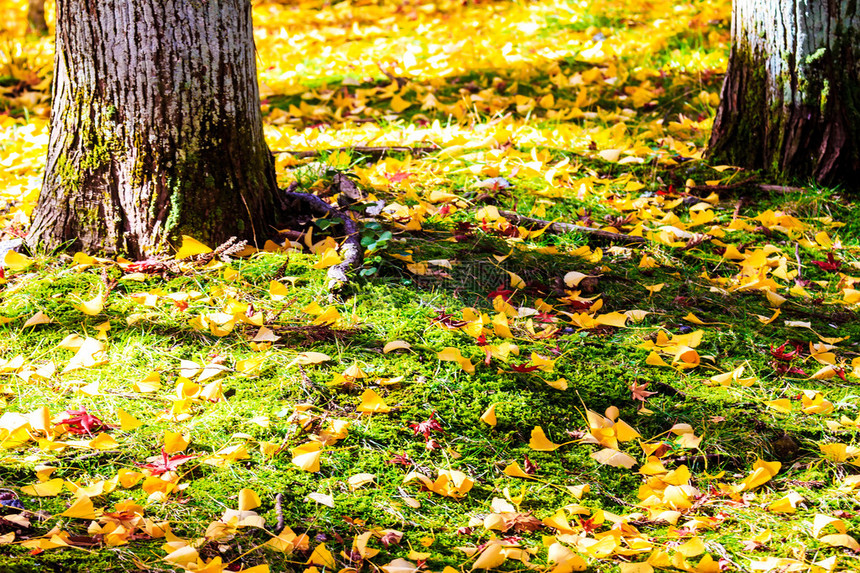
(156, 128)
(36, 17)
(791, 98)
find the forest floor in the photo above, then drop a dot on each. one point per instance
(483, 395)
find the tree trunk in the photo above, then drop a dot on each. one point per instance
(36, 17)
(156, 128)
(791, 98)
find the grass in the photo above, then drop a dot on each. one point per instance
(432, 277)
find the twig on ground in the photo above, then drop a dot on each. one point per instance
(797, 258)
(374, 151)
(780, 188)
(279, 511)
(558, 227)
(733, 461)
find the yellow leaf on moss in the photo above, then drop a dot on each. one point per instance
(322, 556)
(372, 403)
(307, 456)
(514, 470)
(306, 358)
(38, 318)
(49, 488)
(277, 290)
(127, 422)
(191, 247)
(489, 416)
(16, 261)
(93, 306)
(248, 499)
(82, 508)
(175, 442)
(395, 345)
(614, 458)
(540, 442)
(328, 259)
(451, 354)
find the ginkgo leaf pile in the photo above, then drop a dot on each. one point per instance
(496, 394)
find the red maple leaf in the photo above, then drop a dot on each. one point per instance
(830, 265)
(502, 292)
(448, 320)
(165, 464)
(588, 524)
(401, 460)
(82, 422)
(399, 176)
(426, 427)
(523, 367)
(464, 231)
(529, 466)
(780, 354)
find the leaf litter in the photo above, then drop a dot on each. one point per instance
(543, 243)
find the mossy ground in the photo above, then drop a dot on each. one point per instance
(155, 321)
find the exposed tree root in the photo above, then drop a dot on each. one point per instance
(350, 251)
(558, 227)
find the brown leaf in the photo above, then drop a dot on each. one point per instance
(521, 522)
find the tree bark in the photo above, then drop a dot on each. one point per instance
(156, 129)
(791, 97)
(36, 17)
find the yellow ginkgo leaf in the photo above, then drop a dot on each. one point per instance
(762, 473)
(614, 458)
(248, 499)
(359, 480)
(38, 318)
(491, 557)
(328, 259)
(93, 306)
(278, 291)
(127, 422)
(451, 354)
(786, 504)
(191, 247)
(395, 345)
(372, 403)
(540, 442)
(514, 470)
(306, 358)
(489, 416)
(16, 261)
(780, 405)
(655, 360)
(82, 508)
(175, 442)
(322, 557)
(49, 488)
(516, 281)
(307, 456)
(103, 442)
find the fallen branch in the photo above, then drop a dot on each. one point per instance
(780, 188)
(705, 459)
(375, 152)
(558, 227)
(279, 511)
(727, 187)
(350, 250)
